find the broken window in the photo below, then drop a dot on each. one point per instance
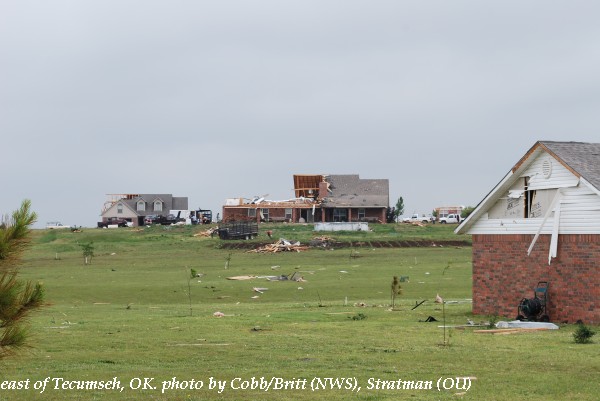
(532, 206)
(264, 214)
(288, 214)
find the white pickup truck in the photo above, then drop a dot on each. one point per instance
(451, 218)
(418, 217)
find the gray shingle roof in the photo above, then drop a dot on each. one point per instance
(351, 191)
(170, 202)
(583, 158)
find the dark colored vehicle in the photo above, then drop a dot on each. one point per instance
(151, 219)
(238, 230)
(113, 221)
(169, 219)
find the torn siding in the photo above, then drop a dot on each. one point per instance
(524, 206)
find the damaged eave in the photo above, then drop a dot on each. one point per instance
(483, 206)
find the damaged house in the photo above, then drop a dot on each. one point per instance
(541, 223)
(135, 207)
(318, 198)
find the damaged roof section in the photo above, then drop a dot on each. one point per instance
(318, 197)
(351, 191)
(307, 185)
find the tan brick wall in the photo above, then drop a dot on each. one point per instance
(503, 274)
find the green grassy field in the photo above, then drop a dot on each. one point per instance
(136, 316)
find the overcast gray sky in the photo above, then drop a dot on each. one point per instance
(220, 99)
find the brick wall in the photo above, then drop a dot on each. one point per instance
(503, 274)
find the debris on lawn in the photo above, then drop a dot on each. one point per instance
(418, 304)
(510, 331)
(206, 233)
(282, 245)
(470, 323)
(321, 242)
(246, 277)
(429, 320)
(526, 325)
(260, 290)
(282, 277)
(218, 314)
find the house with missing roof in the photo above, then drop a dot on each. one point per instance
(541, 223)
(135, 207)
(318, 198)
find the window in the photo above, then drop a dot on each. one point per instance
(340, 215)
(158, 206)
(288, 214)
(532, 208)
(361, 214)
(141, 206)
(120, 208)
(251, 212)
(264, 214)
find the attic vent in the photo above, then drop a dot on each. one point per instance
(547, 168)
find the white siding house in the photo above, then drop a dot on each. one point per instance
(541, 222)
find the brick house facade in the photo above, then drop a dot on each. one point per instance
(503, 274)
(318, 198)
(541, 223)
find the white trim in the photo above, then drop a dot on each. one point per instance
(554, 238)
(548, 213)
(589, 185)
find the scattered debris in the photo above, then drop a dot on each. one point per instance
(429, 319)
(218, 314)
(206, 233)
(418, 304)
(510, 331)
(284, 277)
(282, 245)
(246, 277)
(526, 325)
(470, 323)
(260, 290)
(322, 242)
(358, 316)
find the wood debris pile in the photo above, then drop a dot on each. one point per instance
(206, 233)
(282, 245)
(322, 241)
(418, 223)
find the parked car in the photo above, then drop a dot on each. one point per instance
(169, 219)
(151, 219)
(114, 222)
